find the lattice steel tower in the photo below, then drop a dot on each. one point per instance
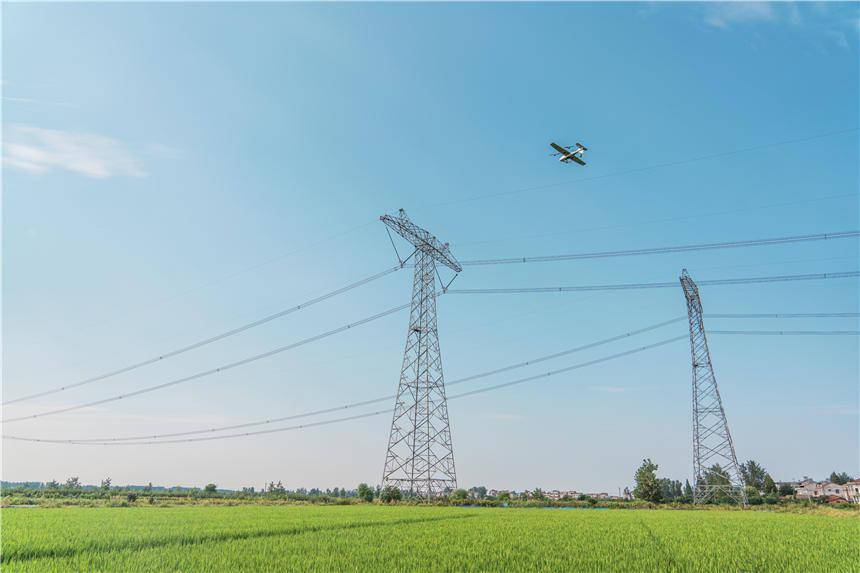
(712, 442)
(420, 458)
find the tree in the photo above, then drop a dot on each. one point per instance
(459, 494)
(769, 485)
(505, 496)
(365, 492)
(148, 487)
(688, 489)
(665, 486)
(106, 484)
(73, 483)
(753, 474)
(716, 475)
(538, 493)
(53, 484)
(479, 492)
(786, 489)
(647, 486)
(753, 495)
(390, 494)
(273, 487)
(669, 489)
(840, 478)
(210, 488)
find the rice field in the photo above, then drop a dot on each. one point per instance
(379, 538)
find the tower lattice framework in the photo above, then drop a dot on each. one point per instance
(712, 441)
(420, 457)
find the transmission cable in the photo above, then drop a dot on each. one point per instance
(568, 368)
(789, 315)
(206, 341)
(789, 332)
(357, 416)
(668, 249)
(391, 397)
(211, 371)
(672, 284)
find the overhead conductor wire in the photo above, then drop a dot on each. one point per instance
(391, 397)
(358, 416)
(204, 342)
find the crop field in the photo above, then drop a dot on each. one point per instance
(379, 538)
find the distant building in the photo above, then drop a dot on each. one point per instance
(807, 489)
(837, 492)
(811, 489)
(852, 491)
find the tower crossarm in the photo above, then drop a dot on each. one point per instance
(421, 239)
(691, 290)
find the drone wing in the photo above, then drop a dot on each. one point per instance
(577, 159)
(559, 148)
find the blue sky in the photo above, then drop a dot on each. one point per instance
(172, 171)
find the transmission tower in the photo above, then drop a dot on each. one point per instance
(715, 466)
(420, 458)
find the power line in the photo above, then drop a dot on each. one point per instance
(357, 416)
(211, 371)
(461, 244)
(642, 169)
(672, 284)
(669, 249)
(239, 272)
(206, 439)
(789, 332)
(568, 368)
(151, 440)
(789, 315)
(206, 341)
(390, 397)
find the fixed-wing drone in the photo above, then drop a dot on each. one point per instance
(569, 155)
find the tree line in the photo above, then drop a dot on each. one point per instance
(759, 485)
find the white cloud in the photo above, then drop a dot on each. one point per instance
(794, 14)
(724, 14)
(35, 101)
(610, 389)
(839, 38)
(504, 417)
(38, 150)
(836, 410)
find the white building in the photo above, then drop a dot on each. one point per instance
(852, 491)
(811, 489)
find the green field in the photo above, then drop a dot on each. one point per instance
(379, 538)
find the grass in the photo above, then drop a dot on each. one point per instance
(378, 538)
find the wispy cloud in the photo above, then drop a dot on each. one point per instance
(28, 100)
(610, 389)
(504, 417)
(837, 21)
(725, 14)
(836, 410)
(794, 15)
(839, 38)
(39, 150)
